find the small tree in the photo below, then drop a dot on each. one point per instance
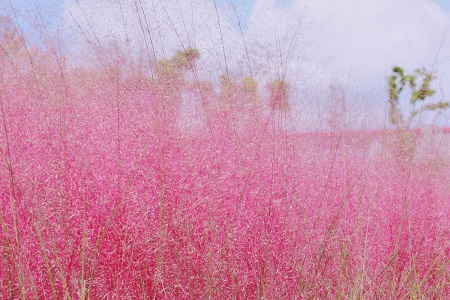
(279, 95)
(173, 69)
(171, 78)
(186, 59)
(398, 81)
(419, 82)
(10, 40)
(250, 86)
(250, 89)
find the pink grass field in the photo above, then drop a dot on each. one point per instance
(116, 185)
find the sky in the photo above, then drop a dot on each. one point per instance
(445, 4)
(327, 50)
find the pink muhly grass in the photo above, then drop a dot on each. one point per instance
(109, 191)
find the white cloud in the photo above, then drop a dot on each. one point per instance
(350, 44)
(355, 43)
(157, 28)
